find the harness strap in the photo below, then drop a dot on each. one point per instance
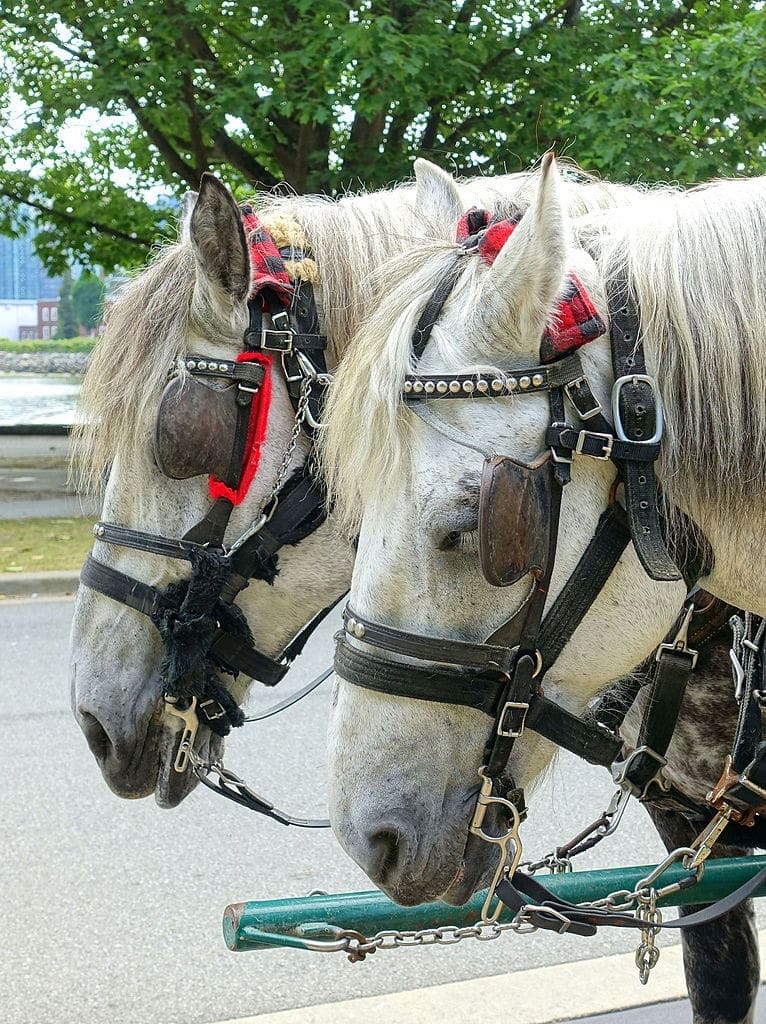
(582, 920)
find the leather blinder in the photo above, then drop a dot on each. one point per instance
(514, 518)
(195, 430)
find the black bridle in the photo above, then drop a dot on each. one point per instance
(203, 632)
(502, 676)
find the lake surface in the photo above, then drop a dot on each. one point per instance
(37, 399)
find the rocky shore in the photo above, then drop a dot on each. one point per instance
(44, 362)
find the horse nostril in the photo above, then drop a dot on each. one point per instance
(388, 849)
(95, 734)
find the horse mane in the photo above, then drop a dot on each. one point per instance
(695, 265)
(694, 262)
(349, 238)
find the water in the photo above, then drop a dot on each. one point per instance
(37, 399)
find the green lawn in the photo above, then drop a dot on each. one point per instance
(33, 545)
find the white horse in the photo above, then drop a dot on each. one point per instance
(695, 264)
(192, 298)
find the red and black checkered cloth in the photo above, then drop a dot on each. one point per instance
(269, 277)
(577, 319)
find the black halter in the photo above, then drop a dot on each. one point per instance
(202, 630)
(502, 676)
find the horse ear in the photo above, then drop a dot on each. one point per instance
(526, 278)
(218, 238)
(437, 200)
(188, 203)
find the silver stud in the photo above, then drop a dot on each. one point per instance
(430, 387)
(407, 386)
(441, 387)
(454, 386)
(98, 530)
(214, 366)
(202, 365)
(482, 385)
(524, 382)
(350, 625)
(359, 630)
(537, 380)
(418, 386)
(468, 386)
(497, 384)
(511, 383)
(191, 364)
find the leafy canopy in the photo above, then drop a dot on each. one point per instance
(327, 94)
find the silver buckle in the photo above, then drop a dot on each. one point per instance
(679, 642)
(591, 412)
(512, 734)
(619, 384)
(278, 338)
(620, 771)
(606, 438)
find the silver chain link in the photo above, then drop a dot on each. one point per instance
(270, 505)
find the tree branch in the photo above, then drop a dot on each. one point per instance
(174, 160)
(243, 160)
(71, 218)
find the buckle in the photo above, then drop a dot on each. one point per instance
(619, 384)
(620, 772)
(279, 338)
(679, 645)
(510, 705)
(720, 797)
(608, 442)
(586, 412)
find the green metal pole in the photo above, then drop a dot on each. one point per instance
(283, 922)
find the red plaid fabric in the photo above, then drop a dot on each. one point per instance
(267, 266)
(577, 321)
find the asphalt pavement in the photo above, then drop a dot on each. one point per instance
(110, 910)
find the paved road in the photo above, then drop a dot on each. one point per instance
(110, 910)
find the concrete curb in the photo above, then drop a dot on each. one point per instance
(39, 584)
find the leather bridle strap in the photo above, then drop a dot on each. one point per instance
(525, 892)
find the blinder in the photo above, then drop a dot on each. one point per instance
(202, 421)
(515, 516)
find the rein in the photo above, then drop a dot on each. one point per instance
(203, 632)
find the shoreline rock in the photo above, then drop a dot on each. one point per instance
(44, 362)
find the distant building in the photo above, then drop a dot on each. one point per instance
(15, 315)
(47, 321)
(22, 276)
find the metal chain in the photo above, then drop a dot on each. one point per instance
(647, 953)
(270, 505)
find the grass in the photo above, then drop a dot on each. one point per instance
(34, 545)
(48, 345)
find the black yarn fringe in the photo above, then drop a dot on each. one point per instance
(187, 620)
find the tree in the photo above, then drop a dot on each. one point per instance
(325, 94)
(67, 322)
(88, 299)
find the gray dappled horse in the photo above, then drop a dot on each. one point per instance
(193, 298)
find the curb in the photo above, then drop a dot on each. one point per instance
(63, 583)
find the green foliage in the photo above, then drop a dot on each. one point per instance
(67, 322)
(325, 95)
(88, 298)
(48, 345)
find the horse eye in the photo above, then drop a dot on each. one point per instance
(459, 540)
(450, 541)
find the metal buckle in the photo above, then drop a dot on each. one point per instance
(561, 425)
(594, 410)
(512, 734)
(619, 384)
(279, 338)
(606, 438)
(679, 643)
(620, 772)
